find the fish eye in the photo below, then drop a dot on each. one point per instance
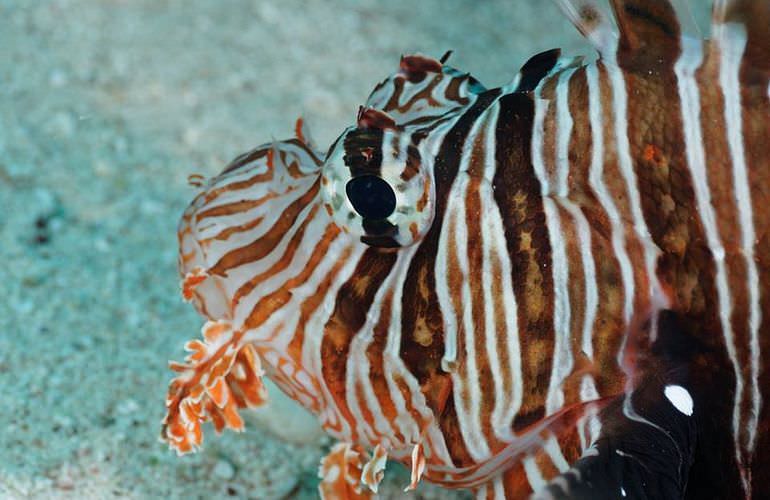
(371, 196)
(375, 187)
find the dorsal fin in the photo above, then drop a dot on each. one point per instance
(648, 31)
(536, 68)
(423, 89)
(591, 19)
(754, 17)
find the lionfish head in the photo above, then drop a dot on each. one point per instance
(273, 250)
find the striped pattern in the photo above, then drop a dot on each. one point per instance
(485, 323)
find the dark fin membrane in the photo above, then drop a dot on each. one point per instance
(593, 22)
(754, 17)
(536, 68)
(649, 32)
(648, 438)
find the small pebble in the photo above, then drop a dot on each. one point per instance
(224, 470)
(127, 407)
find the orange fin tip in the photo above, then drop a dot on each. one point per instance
(418, 466)
(374, 470)
(340, 472)
(191, 281)
(221, 376)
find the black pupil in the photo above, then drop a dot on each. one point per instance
(372, 197)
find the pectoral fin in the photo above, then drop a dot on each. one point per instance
(648, 437)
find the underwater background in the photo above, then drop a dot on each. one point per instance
(106, 106)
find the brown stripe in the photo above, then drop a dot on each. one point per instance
(756, 137)
(220, 187)
(422, 344)
(577, 303)
(609, 324)
(354, 299)
(475, 255)
(517, 193)
(233, 208)
(330, 232)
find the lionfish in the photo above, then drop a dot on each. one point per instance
(559, 287)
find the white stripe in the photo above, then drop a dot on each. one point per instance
(562, 354)
(330, 415)
(588, 425)
(358, 369)
(468, 416)
(555, 453)
(507, 403)
(596, 179)
(733, 42)
(429, 150)
(689, 95)
(565, 124)
(651, 250)
(497, 484)
(534, 476)
(392, 363)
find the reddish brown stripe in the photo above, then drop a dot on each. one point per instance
(330, 232)
(243, 184)
(351, 307)
(265, 244)
(231, 230)
(377, 372)
(246, 158)
(233, 208)
(475, 256)
(515, 483)
(422, 341)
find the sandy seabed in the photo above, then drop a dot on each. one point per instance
(106, 106)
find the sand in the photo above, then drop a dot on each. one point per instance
(106, 106)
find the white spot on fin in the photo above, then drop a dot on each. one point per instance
(680, 398)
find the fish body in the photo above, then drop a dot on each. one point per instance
(511, 289)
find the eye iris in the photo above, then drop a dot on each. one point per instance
(371, 196)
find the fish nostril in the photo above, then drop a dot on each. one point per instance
(371, 196)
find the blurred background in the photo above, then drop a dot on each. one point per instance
(106, 106)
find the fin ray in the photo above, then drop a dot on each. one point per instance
(754, 17)
(590, 17)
